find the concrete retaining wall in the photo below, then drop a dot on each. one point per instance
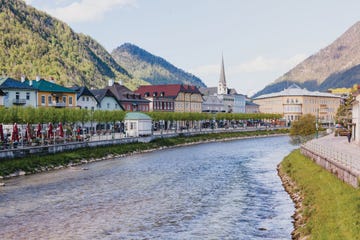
(343, 172)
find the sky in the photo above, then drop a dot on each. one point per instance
(260, 40)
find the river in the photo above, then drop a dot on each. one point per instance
(222, 190)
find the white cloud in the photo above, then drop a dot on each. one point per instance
(87, 10)
(261, 64)
(250, 76)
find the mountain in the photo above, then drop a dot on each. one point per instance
(337, 65)
(152, 69)
(34, 43)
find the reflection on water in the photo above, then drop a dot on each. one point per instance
(227, 190)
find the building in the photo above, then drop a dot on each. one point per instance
(232, 101)
(137, 124)
(129, 100)
(294, 102)
(17, 93)
(50, 94)
(172, 97)
(2, 94)
(251, 107)
(212, 104)
(85, 98)
(106, 100)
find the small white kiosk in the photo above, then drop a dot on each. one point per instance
(137, 124)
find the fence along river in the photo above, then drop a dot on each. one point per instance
(224, 190)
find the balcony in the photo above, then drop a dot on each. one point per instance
(58, 104)
(20, 101)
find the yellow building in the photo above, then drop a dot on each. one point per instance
(294, 102)
(50, 94)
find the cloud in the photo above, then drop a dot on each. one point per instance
(87, 10)
(257, 65)
(261, 64)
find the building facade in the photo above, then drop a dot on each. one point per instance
(106, 100)
(50, 94)
(17, 93)
(294, 102)
(85, 98)
(212, 104)
(129, 100)
(172, 97)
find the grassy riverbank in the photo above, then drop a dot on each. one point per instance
(326, 207)
(36, 163)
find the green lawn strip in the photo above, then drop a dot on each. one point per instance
(331, 208)
(38, 163)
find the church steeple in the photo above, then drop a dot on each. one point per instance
(222, 89)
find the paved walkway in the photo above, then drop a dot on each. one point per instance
(338, 149)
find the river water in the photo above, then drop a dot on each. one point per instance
(224, 190)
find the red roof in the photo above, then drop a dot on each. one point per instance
(170, 90)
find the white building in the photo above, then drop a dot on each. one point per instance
(137, 124)
(294, 102)
(85, 98)
(17, 93)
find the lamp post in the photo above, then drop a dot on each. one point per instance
(317, 124)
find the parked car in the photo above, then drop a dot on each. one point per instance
(341, 131)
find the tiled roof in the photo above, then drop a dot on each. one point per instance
(249, 103)
(101, 93)
(295, 90)
(47, 86)
(82, 91)
(10, 83)
(171, 90)
(123, 94)
(137, 116)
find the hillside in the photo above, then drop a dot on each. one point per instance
(34, 43)
(152, 69)
(325, 69)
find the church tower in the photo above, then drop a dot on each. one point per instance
(222, 89)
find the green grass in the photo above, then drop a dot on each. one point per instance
(36, 163)
(331, 208)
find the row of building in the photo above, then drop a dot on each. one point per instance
(115, 96)
(292, 102)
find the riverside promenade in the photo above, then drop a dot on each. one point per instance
(336, 155)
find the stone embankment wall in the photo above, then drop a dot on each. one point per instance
(50, 149)
(344, 172)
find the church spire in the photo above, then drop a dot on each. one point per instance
(222, 89)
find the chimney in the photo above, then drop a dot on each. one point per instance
(37, 78)
(30, 82)
(111, 82)
(52, 79)
(22, 78)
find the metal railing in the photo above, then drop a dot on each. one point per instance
(334, 155)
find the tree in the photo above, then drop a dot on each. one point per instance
(305, 126)
(344, 112)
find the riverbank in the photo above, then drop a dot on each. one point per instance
(36, 164)
(326, 208)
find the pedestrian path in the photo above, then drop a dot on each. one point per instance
(337, 149)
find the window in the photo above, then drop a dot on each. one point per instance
(49, 100)
(108, 105)
(83, 98)
(116, 106)
(128, 107)
(27, 96)
(64, 99)
(17, 95)
(87, 99)
(42, 100)
(70, 101)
